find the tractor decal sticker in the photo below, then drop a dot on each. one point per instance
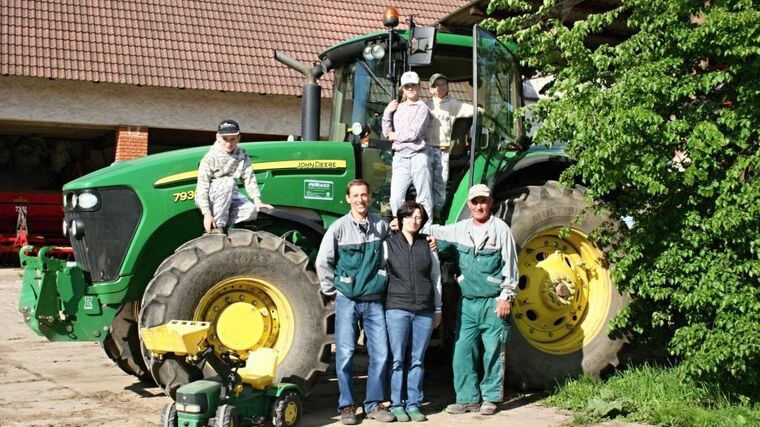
(300, 164)
(318, 190)
(260, 167)
(183, 195)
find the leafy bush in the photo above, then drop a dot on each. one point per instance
(664, 128)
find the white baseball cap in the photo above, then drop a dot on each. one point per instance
(410, 77)
(479, 190)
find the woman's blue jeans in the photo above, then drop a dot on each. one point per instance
(348, 312)
(408, 334)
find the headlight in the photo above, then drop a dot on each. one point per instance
(77, 228)
(378, 51)
(180, 407)
(88, 200)
(192, 408)
(68, 200)
(74, 200)
(367, 53)
(65, 228)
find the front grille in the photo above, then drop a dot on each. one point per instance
(108, 232)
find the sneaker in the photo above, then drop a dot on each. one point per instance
(348, 415)
(462, 408)
(400, 414)
(217, 231)
(380, 414)
(416, 415)
(488, 408)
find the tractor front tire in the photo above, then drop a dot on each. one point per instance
(122, 345)
(169, 415)
(286, 410)
(226, 416)
(208, 275)
(566, 297)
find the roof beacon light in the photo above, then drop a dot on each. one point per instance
(390, 17)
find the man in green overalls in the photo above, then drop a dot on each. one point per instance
(488, 264)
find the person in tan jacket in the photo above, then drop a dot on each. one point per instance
(445, 110)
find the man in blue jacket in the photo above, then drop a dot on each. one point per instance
(349, 267)
(488, 264)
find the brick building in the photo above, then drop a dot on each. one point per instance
(87, 82)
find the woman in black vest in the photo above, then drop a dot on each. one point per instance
(413, 308)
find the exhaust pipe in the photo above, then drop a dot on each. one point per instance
(312, 96)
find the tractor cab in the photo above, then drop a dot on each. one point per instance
(480, 70)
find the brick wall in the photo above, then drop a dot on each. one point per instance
(131, 142)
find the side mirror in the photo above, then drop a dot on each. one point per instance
(421, 46)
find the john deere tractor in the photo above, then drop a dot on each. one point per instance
(140, 257)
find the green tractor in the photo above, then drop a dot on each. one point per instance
(140, 258)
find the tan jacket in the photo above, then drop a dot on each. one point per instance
(444, 112)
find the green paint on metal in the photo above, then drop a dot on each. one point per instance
(277, 390)
(200, 387)
(54, 302)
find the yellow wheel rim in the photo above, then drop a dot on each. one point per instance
(564, 293)
(291, 413)
(245, 314)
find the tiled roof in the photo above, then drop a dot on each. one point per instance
(214, 45)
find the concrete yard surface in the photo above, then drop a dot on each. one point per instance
(75, 384)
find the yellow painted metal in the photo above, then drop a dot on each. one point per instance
(564, 292)
(260, 368)
(266, 303)
(291, 413)
(181, 337)
(262, 166)
(232, 334)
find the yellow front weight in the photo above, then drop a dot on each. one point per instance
(564, 292)
(247, 313)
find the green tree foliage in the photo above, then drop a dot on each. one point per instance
(664, 128)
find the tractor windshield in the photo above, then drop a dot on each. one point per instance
(361, 94)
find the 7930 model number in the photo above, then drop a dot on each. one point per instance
(184, 195)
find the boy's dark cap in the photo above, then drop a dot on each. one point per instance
(437, 76)
(229, 127)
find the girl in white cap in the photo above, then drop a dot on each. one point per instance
(405, 124)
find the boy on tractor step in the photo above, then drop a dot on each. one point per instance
(216, 193)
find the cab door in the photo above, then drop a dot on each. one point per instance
(497, 92)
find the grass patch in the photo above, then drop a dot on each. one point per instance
(657, 396)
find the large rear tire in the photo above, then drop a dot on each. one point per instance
(122, 345)
(207, 276)
(566, 297)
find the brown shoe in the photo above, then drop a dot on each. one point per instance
(381, 414)
(348, 415)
